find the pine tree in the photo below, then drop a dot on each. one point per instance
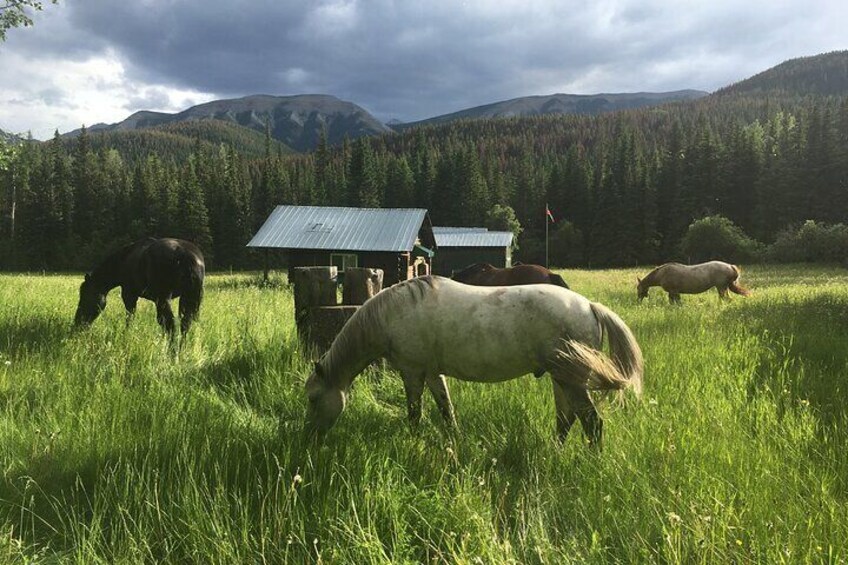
(84, 183)
(322, 169)
(192, 217)
(400, 186)
(472, 192)
(363, 180)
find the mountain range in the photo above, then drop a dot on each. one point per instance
(296, 122)
(561, 104)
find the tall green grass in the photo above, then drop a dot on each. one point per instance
(113, 449)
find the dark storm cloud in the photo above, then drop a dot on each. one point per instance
(417, 59)
(397, 59)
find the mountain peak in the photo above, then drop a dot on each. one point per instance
(295, 120)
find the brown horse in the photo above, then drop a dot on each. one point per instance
(677, 279)
(484, 274)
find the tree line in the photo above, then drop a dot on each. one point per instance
(623, 187)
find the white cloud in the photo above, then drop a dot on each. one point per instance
(51, 93)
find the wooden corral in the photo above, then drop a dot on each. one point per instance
(323, 324)
(396, 266)
(318, 315)
(313, 286)
(360, 284)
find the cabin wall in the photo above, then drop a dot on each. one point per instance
(451, 259)
(396, 266)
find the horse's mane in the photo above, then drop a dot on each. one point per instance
(363, 332)
(655, 271)
(473, 269)
(111, 262)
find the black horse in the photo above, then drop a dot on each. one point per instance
(155, 269)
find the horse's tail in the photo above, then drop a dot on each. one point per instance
(558, 280)
(734, 285)
(623, 368)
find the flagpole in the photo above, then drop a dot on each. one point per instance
(547, 265)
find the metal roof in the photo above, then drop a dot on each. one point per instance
(448, 229)
(344, 229)
(473, 239)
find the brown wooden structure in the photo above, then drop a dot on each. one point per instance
(318, 315)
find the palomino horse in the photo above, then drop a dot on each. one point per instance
(430, 326)
(677, 279)
(484, 274)
(155, 269)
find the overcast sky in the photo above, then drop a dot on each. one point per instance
(90, 61)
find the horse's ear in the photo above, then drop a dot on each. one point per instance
(319, 372)
(87, 277)
(638, 280)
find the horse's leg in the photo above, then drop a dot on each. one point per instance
(593, 425)
(722, 292)
(565, 415)
(413, 384)
(130, 302)
(165, 316)
(674, 298)
(439, 389)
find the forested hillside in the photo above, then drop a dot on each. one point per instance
(825, 74)
(589, 104)
(179, 140)
(624, 187)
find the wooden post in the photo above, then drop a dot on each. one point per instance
(324, 324)
(313, 286)
(360, 284)
(265, 266)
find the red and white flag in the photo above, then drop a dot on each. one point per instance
(549, 215)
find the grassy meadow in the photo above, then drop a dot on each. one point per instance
(113, 450)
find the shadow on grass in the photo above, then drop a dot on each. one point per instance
(807, 354)
(50, 494)
(17, 335)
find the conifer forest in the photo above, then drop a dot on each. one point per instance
(624, 187)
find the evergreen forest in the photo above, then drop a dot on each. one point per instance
(623, 187)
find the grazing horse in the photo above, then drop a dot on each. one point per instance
(155, 269)
(484, 274)
(677, 279)
(432, 326)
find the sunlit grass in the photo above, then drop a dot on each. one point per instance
(115, 450)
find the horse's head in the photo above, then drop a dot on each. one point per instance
(92, 301)
(641, 289)
(469, 272)
(325, 402)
